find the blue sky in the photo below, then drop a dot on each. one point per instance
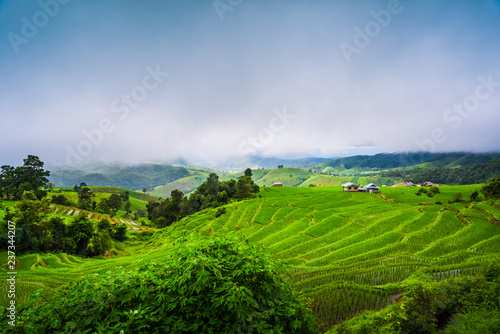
(132, 81)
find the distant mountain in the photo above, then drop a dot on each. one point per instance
(161, 178)
(477, 173)
(256, 162)
(408, 159)
(135, 177)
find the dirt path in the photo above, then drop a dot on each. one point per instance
(387, 199)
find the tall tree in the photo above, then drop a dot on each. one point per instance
(492, 189)
(32, 171)
(244, 187)
(85, 198)
(81, 230)
(7, 181)
(114, 202)
(212, 186)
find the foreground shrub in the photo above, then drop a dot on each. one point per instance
(460, 305)
(206, 285)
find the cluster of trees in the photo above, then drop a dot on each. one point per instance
(114, 203)
(430, 192)
(479, 173)
(210, 194)
(36, 232)
(108, 205)
(492, 189)
(31, 176)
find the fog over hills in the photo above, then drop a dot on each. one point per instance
(255, 78)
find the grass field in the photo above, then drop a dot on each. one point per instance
(348, 252)
(185, 184)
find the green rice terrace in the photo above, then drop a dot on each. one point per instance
(347, 252)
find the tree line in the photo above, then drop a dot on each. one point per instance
(37, 232)
(107, 206)
(31, 176)
(210, 194)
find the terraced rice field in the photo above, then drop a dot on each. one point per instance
(347, 252)
(345, 248)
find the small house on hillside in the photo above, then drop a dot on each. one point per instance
(349, 186)
(371, 188)
(277, 184)
(409, 184)
(428, 184)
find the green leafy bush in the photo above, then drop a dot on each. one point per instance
(457, 198)
(461, 305)
(492, 189)
(214, 285)
(219, 212)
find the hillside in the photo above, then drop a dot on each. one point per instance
(348, 252)
(398, 160)
(130, 177)
(257, 162)
(478, 173)
(138, 201)
(160, 179)
(185, 184)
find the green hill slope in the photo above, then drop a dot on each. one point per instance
(348, 252)
(186, 184)
(395, 160)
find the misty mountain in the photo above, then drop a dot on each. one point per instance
(131, 177)
(256, 162)
(408, 159)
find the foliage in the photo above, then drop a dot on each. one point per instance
(104, 225)
(210, 194)
(220, 212)
(81, 230)
(457, 306)
(120, 232)
(221, 284)
(85, 198)
(344, 248)
(37, 231)
(479, 321)
(60, 199)
(248, 172)
(479, 173)
(14, 181)
(492, 189)
(422, 191)
(434, 190)
(474, 196)
(457, 198)
(114, 201)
